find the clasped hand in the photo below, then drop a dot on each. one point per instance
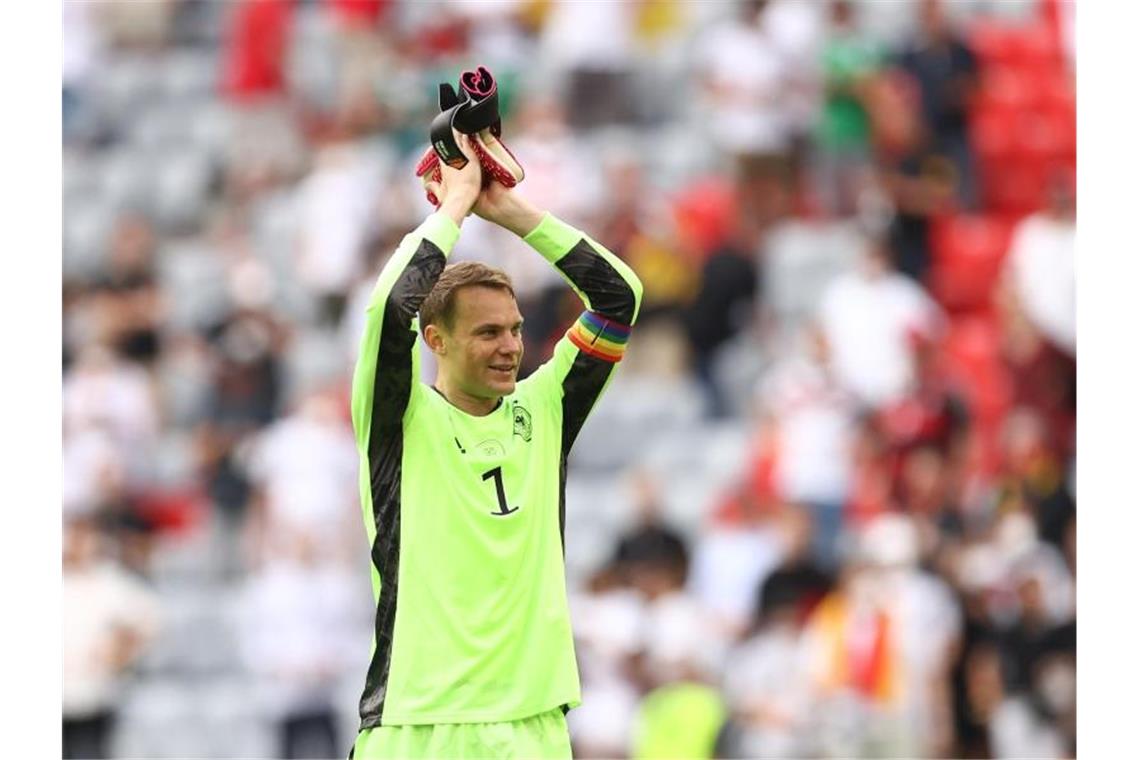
(461, 191)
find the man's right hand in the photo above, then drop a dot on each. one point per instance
(459, 188)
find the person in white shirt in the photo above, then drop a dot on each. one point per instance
(302, 617)
(869, 318)
(743, 76)
(1040, 273)
(108, 618)
(304, 471)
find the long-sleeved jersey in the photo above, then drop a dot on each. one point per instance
(466, 514)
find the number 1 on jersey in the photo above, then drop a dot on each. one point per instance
(497, 474)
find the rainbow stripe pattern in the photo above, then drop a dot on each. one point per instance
(599, 337)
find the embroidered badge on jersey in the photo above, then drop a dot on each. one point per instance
(522, 421)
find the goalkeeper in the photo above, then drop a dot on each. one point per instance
(463, 483)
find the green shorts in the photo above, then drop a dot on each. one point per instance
(540, 736)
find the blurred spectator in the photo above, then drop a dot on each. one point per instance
(929, 625)
(336, 204)
(730, 560)
(946, 73)
(142, 27)
(798, 32)
(843, 136)
(82, 53)
(767, 688)
(628, 204)
(679, 719)
(1039, 299)
(245, 395)
(869, 318)
(109, 617)
(880, 650)
(303, 470)
(682, 651)
(669, 246)
(591, 45)
(1041, 265)
(1038, 651)
(93, 471)
(298, 612)
(1033, 476)
(917, 182)
(365, 14)
(103, 390)
(128, 295)
(811, 419)
(742, 79)
(607, 616)
(257, 49)
(724, 306)
(925, 437)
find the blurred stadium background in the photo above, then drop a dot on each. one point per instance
(827, 507)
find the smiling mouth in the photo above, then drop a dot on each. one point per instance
(505, 368)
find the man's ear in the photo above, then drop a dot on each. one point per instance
(435, 339)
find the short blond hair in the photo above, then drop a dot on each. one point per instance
(439, 306)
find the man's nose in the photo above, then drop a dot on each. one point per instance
(511, 344)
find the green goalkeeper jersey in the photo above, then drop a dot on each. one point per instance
(465, 515)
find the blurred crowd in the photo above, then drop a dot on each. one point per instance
(855, 224)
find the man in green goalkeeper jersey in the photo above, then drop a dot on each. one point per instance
(463, 484)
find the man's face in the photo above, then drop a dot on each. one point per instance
(483, 348)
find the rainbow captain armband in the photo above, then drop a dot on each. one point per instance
(599, 337)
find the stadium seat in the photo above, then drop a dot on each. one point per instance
(154, 126)
(194, 280)
(124, 85)
(209, 128)
(1033, 46)
(801, 259)
(1058, 92)
(188, 74)
(992, 42)
(234, 712)
(1005, 87)
(181, 188)
(1015, 188)
(974, 364)
(80, 176)
(87, 226)
(1043, 137)
(126, 179)
(1048, 86)
(993, 134)
(156, 719)
(967, 255)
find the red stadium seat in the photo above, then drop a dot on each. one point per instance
(967, 254)
(1006, 87)
(1034, 46)
(992, 42)
(1048, 86)
(972, 356)
(1044, 136)
(993, 134)
(1058, 92)
(1014, 188)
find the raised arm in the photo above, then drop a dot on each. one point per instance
(386, 368)
(584, 359)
